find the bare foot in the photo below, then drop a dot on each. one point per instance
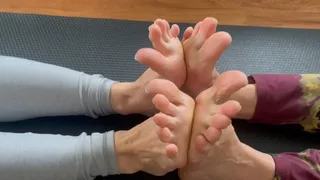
(213, 112)
(167, 57)
(140, 149)
(203, 46)
(175, 117)
(166, 60)
(216, 152)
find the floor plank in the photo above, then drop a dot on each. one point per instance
(271, 13)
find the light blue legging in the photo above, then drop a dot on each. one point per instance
(30, 89)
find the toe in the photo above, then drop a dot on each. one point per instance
(212, 135)
(175, 30)
(163, 120)
(163, 27)
(230, 109)
(207, 28)
(220, 121)
(153, 59)
(215, 46)
(200, 143)
(187, 33)
(167, 28)
(204, 142)
(155, 36)
(171, 150)
(201, 147)
(166, 88)
(165, 135)
(196, 29)
(202, 31)
(163, 104)
(228, 83)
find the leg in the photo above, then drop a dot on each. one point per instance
(175, 117)
(31, 156)
(31, 89)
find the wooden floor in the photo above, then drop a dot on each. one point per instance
(274, 13)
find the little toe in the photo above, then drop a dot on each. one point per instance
(163, 120)
(201, 145)
(171, 150)
(204, 142)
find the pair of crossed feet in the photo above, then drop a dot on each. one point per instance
(193, 99)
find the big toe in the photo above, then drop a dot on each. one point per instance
(201, 32)
(228, 83)
(207, 28)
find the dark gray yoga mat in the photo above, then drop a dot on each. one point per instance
(108, 47)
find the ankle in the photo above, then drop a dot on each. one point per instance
(245, 162)
(253, 164)
(120, 95)
(127, 161)
(130, 98)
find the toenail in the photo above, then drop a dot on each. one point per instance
(145, 90)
